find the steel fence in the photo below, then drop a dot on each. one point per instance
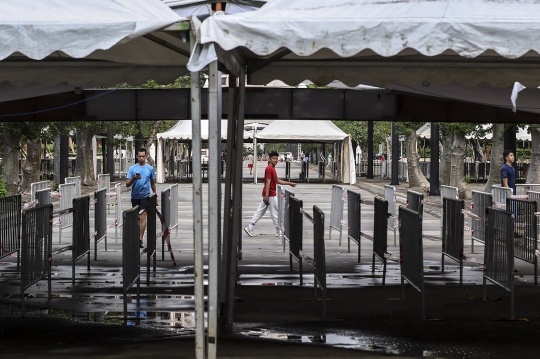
(336, 211)
(499, 195)
(480, 201)
(380, 234)
(452, 234)
(100, 219)
(288, 170)
(104, 182)
(165, 212)
(535, 197)
(320, 254)
(77, 181)
(36, 248)
(499, 252)
(284, 196)
(10, 226)
(130, 255)
(151, 236)
(36, 186)
(390, 197)
(415, 201)
(525, 231)
(68, 192)
(174, 209)
(354, 220)
(522, 189)
(447, 192)
(118, 217)
(296, 234)
(43, 196)
(81, 232)
(411, 253)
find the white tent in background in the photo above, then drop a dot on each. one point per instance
(181, 131)
(302, 131)
(521, 135)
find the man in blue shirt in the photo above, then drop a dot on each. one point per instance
(508, 173)
(142, 177)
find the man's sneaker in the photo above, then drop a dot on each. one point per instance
(277, 234)
(141, 245)
(249, 232)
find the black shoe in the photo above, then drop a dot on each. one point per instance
(141, 245)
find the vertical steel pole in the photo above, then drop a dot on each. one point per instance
(214, 199)
(395, 140)
(197, 212)
(370, 150)
(434, 161)
(255, 155)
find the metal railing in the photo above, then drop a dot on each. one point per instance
(390, 197)
(81, 232)
(165, 212)
(288, 170)
(100, 219)
(522, 189)
(336, 211)
(411, 253)
(130, 256)
(380, 234)
(415, 201)
(10, 226)
(499, 195)
(151, 236)
(525, 231)
(104, 182)
(173, 220)
(480, 201)
(37, 186)
(284, 196)
(354, 220)
(499, 252)
(77, 181)
(448, 192)
(118, 217)
(43, 196)
(296, 234)
(535, 197)
(68, 192)
(319, 263)
(36, 248)
(452, 233)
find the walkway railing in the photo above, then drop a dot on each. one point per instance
(480, 201)
(284, 196)
(10, 226)
(525, 231)
(380, 234)
(296, 234)
(36, 186)
(390, 197)
(336, 211)
(354, 220)
(130, 256)
(81, 232)
(452, 234)
(68, 192)
(100, 219)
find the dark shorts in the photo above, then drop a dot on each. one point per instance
(142, 203)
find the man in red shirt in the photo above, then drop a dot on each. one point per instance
(269, 196)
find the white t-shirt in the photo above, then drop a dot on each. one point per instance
(250, 158)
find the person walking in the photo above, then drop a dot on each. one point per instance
(141, 177)
(329, 160)
(508, 173)
(250, 163)
(269, 196)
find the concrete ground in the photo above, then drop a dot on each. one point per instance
(274, 315)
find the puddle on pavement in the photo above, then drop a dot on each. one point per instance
(369, 342)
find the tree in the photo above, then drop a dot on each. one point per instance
(416, 177)
(10, 158)
(496, 160)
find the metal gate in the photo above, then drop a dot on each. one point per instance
(104, 182)
(10, 226)
(480, 201)
(354, 220)
(174, 209)
(525, 231)
(380, 234)
(81, 232)
(43, 196)
(390, 197)
(447, 192)
(130, 255)
(36, 186)
(68, 192)
(336, 211)
(296, 234)
(151, 236)
(165, 212)
(320, 254)
(283, 214)
(118, 217)
(77, 181)
(415, 201)
(100, 219)
(452, 234)
(499, 195)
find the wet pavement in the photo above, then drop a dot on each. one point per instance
(364, 317)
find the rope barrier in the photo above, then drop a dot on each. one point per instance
(400, 200)
(432, 204)
(31, 204)
(166, 234)
(307, 215)
(472, 260)
(433, 238)
(308, 259)
(391, 257)
(62, 250)
(370, 203)
(366, 236)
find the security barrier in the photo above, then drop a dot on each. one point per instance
(525, 231)
(43, 196)
(452, 233)
(354, 220)
(499, 252)
(480, 201)
(118, 218)
(10, 226)
(100, 219)
(166, 213)
(336, 211)
(284, 196)
(380, 234)
(448, 192)
(415, 201)
(36, 248)
(77, 181)
(130, 255)
(296, 233)
(522, 189)
(151, 236)
(104, 182)
(68, 192)
(81, 232)
(173, 219)
(390, 197)
(288, 170)
(499, 195)
(411, 253)
(36, 186)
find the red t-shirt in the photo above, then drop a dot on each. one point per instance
(270, 172)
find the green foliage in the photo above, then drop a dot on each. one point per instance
(3, 190)
(523, 153)
(467, 179)
(358, 131)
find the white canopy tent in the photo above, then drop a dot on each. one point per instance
(302, 131)
(521, 135)
(182, 131)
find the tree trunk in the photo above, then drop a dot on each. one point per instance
(446, 160)
(85, 166)
(533, 175)
(495, 158)
(457, 166)
(30, 167)
(479, 153)
(416, 177)
(151, 140)
(10, 161)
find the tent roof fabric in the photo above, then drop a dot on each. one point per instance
(301, 131)
(182, 131)
(408, 42)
